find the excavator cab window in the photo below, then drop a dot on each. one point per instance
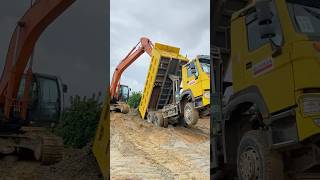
(32, 93)
(44, 106)
(124, 93)
(46, 101)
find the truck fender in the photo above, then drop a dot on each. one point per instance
(250, 94)
(187, 93)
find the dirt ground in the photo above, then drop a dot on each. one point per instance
(140, 150)
(78, 164)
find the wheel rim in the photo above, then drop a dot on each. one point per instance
(249, 164)
(188, 114)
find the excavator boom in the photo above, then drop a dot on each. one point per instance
(145, 46)
(28, 30)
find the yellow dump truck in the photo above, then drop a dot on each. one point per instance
(267, 124)
(163, 101)
(158, 90)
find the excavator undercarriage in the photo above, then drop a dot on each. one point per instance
(44, 146)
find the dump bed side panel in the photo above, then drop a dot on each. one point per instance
(158, 87)
(148, 87)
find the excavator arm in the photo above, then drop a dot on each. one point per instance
(145, 45)
(28, 30)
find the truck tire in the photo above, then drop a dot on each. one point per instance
(190, 114)
(124, 108)
(255, 160)
(165, 122)
(158, 118)
(150, 117)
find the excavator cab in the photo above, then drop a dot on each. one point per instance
(46, 100)
(124, 92)
(119, 101)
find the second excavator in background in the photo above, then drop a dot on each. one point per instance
(119, 93)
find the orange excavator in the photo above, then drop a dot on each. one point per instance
(30, 102)
(119, 93)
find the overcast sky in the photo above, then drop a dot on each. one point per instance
(74, 47)
(181, 23)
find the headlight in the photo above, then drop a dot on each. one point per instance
(206, 94)
(317, 122)
(311, 105)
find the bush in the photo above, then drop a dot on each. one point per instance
(79, 121)
(134, 99)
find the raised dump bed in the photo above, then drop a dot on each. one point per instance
(157, 91)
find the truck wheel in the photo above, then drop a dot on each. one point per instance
(124, 108)
(165, 122)
(158, 119)
(256, 161)
(191, 115)
(150, 117)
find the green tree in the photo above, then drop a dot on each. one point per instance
(134, 99)
(79, 121)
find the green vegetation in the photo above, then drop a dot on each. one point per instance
(79, 121)
(134, 99)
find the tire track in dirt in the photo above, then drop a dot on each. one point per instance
(157, 153)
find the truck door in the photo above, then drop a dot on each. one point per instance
(193, 83)
(268, 66)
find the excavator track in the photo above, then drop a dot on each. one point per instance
(46, 147)
(52, 150)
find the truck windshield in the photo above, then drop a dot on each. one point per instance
(205, 65)
(306, 16)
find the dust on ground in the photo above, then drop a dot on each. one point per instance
(140, 150)
(78, 164)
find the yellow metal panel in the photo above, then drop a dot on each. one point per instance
(101, 145)
(166, 48)
(272, 75)
(238, 46)
(306, 65)
(153, 69)
(159, 50)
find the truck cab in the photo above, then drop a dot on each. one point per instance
(273, 112)
(196, 81)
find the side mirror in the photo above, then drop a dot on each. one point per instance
(264, 14)
(64, 88)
